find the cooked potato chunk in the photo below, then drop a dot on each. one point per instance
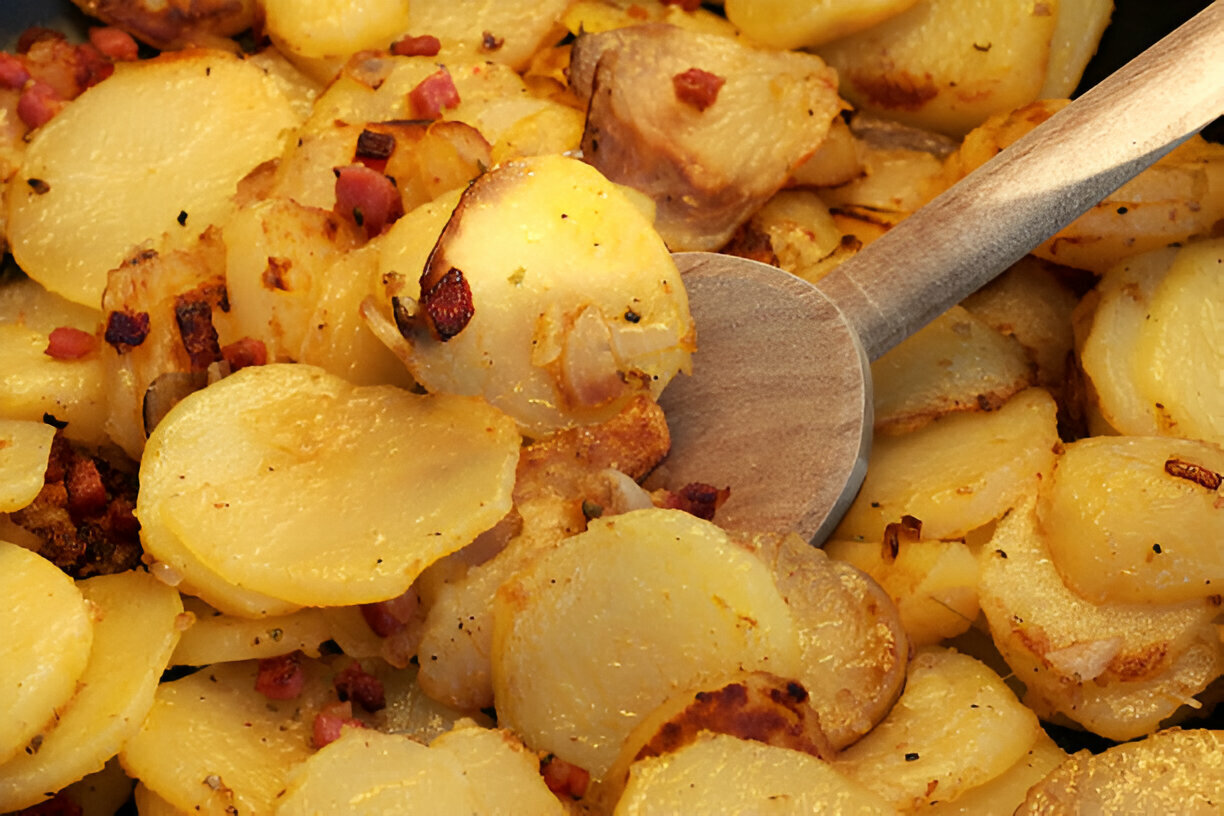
(1076, 35)
(176, 23)
(666, 602)
(1005, 793)
(133, 638)
(1169, 772)
(548, 294)
(44, 645)
(247, 476)
(956, 726)
(708, 162)
(24, 448)
(946, 65)
(724, 774)
(161, 140)
(214, 637)
(333, 28)
(1117, 669)
(958, 473)
(503, 32)
(791, 24)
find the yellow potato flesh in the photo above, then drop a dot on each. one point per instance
(723, 774)
(958, 473)
(24, 448)
(1002, 795)
(44, 644)
(602, 630)
(331, 28)
(791, 23)
(1121, 528)
(217, 638)
(957, 725)
(133, 638)
(160, 137)
(33, 384)
(499, 770)
(302, 487)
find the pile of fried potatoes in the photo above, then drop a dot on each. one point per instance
(376, 303)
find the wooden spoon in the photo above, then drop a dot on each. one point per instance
(779, 406)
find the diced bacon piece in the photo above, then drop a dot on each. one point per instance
(385, 618)
(448, 304)
(424, 46)
(36, 34)
(697, 88)
(367, 197)
(331, 720)
(697, 498)
(281, 678)
(114, 43)
(13, 72)
(245, 352)
(91, 65)
(86, 493)
(38, 104)
(68, 343)
(564, 778)
(434, 94)
(356, 685)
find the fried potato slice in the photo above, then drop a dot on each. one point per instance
(501, 771)
(214, 745)
(247, 474)
(169, 25)
(707, 167)
(956, 363)
(947, 65)
(24, 449)
(668, 602)
(333, 28)
(1076, 36)
(1169, 772)
(570, 306)
(214, 637)
(1117, 669)
(44, 647)
(1136, 519)
(956, 726)
(34, 385)
(719, 773)
(958, 473)
(159, 138)
(1005, 793)
(506, 33)
(133, 638)
(791, 24)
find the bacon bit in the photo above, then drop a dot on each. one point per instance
(38, 104)
(374, 148)
(86, 493)
(909, 530)
(329, 722)
(424, 46)
(13, 72)
(697, 499)
(368, 198)
(636, 12)
(490, 43)
(385, 618)
(245, 352)
(685, 5)
(366, 690)
(193, 315)
(433, 94)
(564, 778)
(448, 304)
(281, 678)
(68, 343)
(1193, 473)
(58, 805)
(114, 43)
(125, 331)
(697, 88)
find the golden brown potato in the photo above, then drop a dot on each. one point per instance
(1005, 793)
(707, 162)
(790, 24)
(1076, 35)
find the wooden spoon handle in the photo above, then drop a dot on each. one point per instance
(1001, 211)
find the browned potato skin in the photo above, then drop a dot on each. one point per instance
(639, 134)
(176, 24)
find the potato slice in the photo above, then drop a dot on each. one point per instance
(956, 726)
(955, 363)
(707, 168)
(595, 16)
(1117, 669)
(33, 384)
(723, 774)
(1136, 519)
(958, 473)
(1169, 772)
(135, 633)
(573, 304)
(600, 631)
(214, 637)
(947, 65)
(190, 124)
(504, 32)
(333, 28)
(214, 745)
(24, 449)
(247, 475)
(502, 773)
(44, 647)
(790, 24)
(853, 649)
(1076, 35)
(1005, 793)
